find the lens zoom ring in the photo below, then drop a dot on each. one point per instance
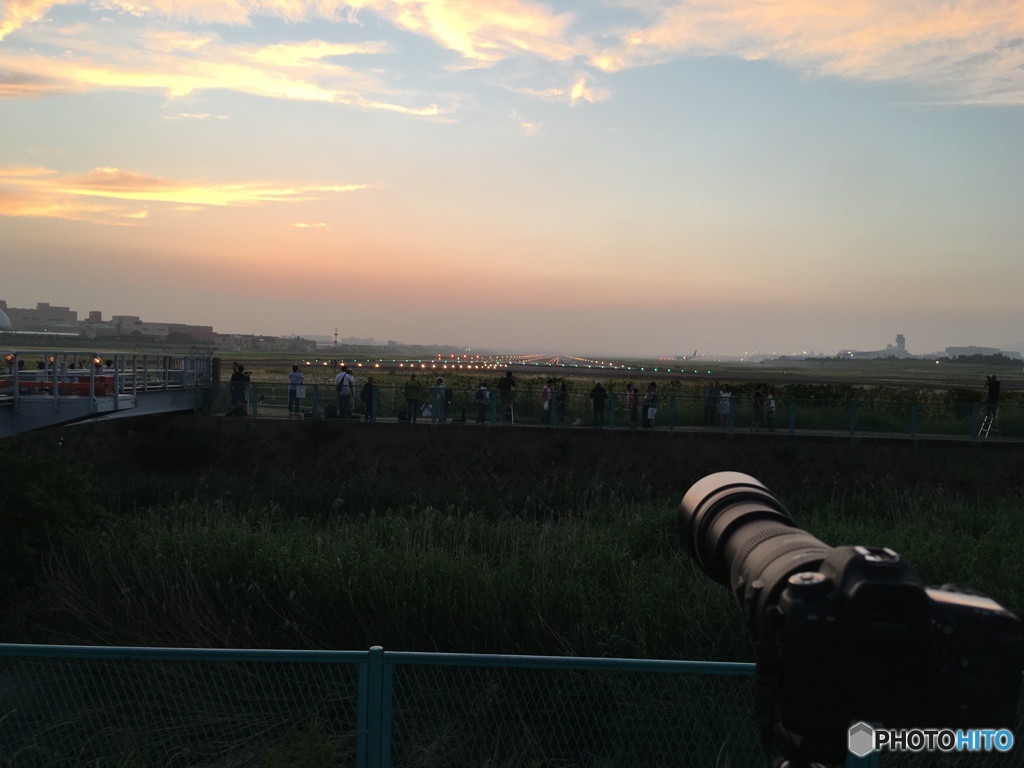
(769, 531)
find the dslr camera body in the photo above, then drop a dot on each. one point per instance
(848, 634)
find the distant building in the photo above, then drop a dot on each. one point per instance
(42, 319)
(972, 350)
(48, 319)
(891, 350)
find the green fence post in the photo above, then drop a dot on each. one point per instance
(792, 415)
(374, 400)
(671, 412)
(386, 698)
(369, 748)
(611, 411)
(254, 398)
(913, 420)
(316, 396)
(853, 417)
(974, 422)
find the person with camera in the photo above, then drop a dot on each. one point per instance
(238, 385)
(992, 394)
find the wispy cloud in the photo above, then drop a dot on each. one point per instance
(181, 63)
(484, 31)
(583, 91)
(196, 116)
(972, 50)
(17, 13)
(114, 196)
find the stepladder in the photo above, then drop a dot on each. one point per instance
(990, 424)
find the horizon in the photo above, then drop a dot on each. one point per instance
(629, 177)
(323, 340)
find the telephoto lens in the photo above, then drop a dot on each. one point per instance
(742, 536)
(848, 634)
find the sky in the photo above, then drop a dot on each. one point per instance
(645, 177)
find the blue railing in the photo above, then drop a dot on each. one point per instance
(68, 705)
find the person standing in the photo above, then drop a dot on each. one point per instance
(711, 403)
(758, 409)
(546, 402)
(507, 394)
(724, 405)
(343, 386)
(561, 398)
(597, 397)
(413, 395)
(769, 410)
(295, 379)
(482, 398)
(238, 385)
(367, 395)
(441, 401)
(650, 406)
(992, 394)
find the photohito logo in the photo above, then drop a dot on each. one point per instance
(863, 739)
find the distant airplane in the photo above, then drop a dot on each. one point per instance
(694, 353)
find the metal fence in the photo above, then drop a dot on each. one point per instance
(167, 707)
(74, 706)
(576, 409)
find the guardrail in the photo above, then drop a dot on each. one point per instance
(576, 409)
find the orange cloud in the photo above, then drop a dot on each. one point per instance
(17, 13)
(182, 64)
(484, 31)
(40, 192)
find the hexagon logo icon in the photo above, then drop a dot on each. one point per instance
(861, 739)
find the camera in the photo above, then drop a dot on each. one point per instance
(848, 634)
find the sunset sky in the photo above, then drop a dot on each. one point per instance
(587, 176)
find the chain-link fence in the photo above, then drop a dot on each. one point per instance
(204, 708)
(175, 707)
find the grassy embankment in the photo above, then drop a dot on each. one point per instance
(586, 568)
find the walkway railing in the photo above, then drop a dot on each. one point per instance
(576, 409)
(43, 389)
(71, 706)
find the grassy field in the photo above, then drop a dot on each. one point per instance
(589, 568)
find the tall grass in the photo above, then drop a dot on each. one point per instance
(569, 571)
